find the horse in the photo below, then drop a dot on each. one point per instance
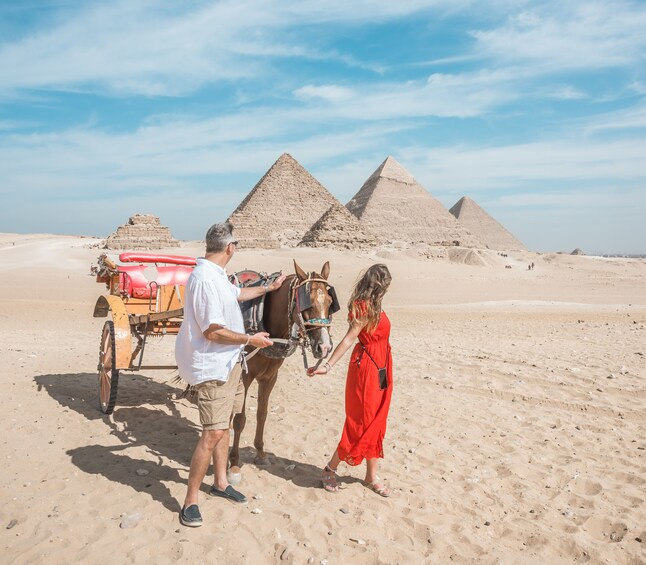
(297, 314)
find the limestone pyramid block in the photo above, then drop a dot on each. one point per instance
(281, 208)
(337, 228)
(493, 234)
(393, 205)
(143, 231)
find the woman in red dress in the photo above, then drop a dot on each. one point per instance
(369, 383)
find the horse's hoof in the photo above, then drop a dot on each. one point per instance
(262, 461)
(234, 478)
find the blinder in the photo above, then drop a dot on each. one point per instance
(304, 298)
(334, 307)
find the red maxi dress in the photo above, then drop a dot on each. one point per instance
(366, 405)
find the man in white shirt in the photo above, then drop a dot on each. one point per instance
(208, 352)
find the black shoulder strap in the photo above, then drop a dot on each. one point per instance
(368, 354)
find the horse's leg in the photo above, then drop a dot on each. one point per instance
(264, 390)
(239, 420)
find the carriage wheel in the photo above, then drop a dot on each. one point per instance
(108, 375)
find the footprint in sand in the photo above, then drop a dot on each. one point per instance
(604, 529)
(586, 487)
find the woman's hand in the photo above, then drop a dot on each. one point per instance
(320, 371)
(351, 335)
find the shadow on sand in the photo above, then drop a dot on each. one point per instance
(164, 433)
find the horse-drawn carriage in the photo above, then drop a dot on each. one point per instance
(141, 305)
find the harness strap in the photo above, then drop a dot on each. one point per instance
(322, 322)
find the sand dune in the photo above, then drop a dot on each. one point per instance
(516, 433)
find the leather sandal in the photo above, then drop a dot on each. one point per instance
(329, 480)
(378, 487)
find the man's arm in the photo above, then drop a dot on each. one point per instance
(224, 336)
(250, 293)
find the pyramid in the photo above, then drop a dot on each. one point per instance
(393, 205)
(143, 231)
(483, 226)
(282, 206)
(337, 228)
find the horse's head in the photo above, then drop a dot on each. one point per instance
(315, 302)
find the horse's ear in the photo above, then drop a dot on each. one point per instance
(325, 271)
(302, 275)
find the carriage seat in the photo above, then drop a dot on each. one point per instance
(157, 258)
(133, 281)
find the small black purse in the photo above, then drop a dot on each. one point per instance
(382, 371)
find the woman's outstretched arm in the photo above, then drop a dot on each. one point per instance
(348, 340)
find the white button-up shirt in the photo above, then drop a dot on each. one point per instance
(209, 299)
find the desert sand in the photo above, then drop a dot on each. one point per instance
(516, 433)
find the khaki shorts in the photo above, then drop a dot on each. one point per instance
(219, 401)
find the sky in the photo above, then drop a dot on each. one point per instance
(535, 109)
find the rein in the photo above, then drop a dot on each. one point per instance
(298, 326)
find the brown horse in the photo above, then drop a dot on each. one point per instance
(297, 312)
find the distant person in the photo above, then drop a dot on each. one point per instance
(209, 353)
(369, 381)
(532, 265)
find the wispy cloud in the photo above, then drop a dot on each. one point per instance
(168, 48)
(627, 119)
(549, 163)
(441, 94)
(603, 198)
(557, 36)
(567, 93)
(331, 92)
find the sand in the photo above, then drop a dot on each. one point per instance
(516, 433)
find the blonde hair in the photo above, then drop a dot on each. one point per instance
(365, 301)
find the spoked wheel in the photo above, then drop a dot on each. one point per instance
(108, 375)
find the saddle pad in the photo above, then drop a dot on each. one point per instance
(253, 310)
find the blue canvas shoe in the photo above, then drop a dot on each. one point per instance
(191, 516)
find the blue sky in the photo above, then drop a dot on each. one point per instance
(536, 110)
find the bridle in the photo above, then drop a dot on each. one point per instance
(299, 301)
(295, 303)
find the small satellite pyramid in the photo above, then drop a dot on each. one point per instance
(282, 206)
(143, 231)
(394, 206)
(337, 228)
(493, 234)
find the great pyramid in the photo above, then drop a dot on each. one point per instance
(338, 229)
(282, 206)
(482, 225)
(393, 205)
(143, 231)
